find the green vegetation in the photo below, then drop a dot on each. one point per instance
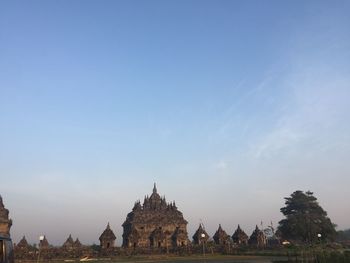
(343, 235)
(305, 221)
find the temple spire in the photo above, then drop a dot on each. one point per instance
(154, 188)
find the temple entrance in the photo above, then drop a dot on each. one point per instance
(2, 252)
(6, 250)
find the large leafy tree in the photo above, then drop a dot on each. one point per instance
(305, 221)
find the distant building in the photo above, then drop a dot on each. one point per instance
(69, 243)
(107, 238)
(200, 236)
(258, 238)
(23, 244)
(5, 222)
(272, 239)
(77, 243)
(23, 250)
(239, 237)
(155, 223)
(221, 237)
(44, 244)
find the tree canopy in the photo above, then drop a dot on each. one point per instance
(343, 235)
(305, 221)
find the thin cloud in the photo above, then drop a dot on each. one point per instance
(313, 116)
(281, 140)
(221, 165)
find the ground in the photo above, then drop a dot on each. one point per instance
(185, 259)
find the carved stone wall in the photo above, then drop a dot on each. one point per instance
(107, 238)
(5, 221)
(155, 224)
(258, 238)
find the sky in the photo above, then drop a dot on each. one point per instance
(229, 106)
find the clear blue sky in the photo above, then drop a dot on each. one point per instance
(228, 105)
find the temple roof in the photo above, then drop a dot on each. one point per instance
(44, 243)
(107, 234)
(199, 232)
(256, 233)
(239, 234)
(4, 213)
(257, 237)
(155, 208)
(23, 243)
(220, 234)
(69, 242)
(6, 223)
(77, 243)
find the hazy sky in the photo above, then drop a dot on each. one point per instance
(229, 106)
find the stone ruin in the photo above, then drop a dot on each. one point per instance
(5, 221)
(148, 228)
(107, 238)
(239, 237)
(44, 244)
(257, 238)
(221, 242)
(155, 224)
(23, 243)
(200, 236)
(221, 237)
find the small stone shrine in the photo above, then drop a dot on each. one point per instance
(221, 237)
(44, 244)
(239, 237)
(69, 243)
(258, 238)
(107, 238)
(200, 236)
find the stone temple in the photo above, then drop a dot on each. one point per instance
(5, 221)
(155, 223)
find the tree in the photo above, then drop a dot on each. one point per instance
(305, 221)
(343, 235)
